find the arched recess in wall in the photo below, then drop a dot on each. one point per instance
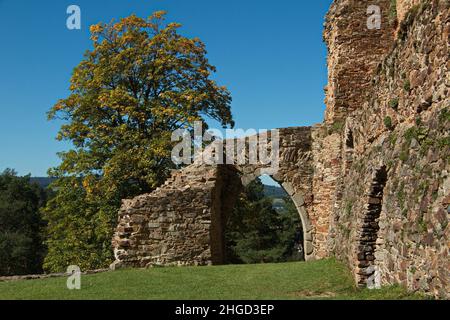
(367, 244)
(264, 226)
(350, 141)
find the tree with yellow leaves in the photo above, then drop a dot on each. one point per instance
(141, 81)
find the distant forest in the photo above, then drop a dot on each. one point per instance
(274, 192)
(43, 182)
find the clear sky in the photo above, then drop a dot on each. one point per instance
(268, 53)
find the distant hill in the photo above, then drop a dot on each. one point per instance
(270, 191)
(274, 192)
(44, 182)
(277, 194)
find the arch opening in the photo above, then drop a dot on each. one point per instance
(264, 225)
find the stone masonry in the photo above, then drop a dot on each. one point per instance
(393, 210)
(371, 183)
(182, 222)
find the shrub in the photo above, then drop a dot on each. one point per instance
(388, 122)
(394, 104)
(21, 249)
(407, 86)
(444, 115)
(393, 12)
(336, 127)
(404, 155)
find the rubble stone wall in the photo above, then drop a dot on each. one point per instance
(183, 221)
(353, 54)
(371, 183)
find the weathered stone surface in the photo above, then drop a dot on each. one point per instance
(410, 86)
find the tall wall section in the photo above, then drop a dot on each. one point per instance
(353, 53)
(389, 222)
(353, 56)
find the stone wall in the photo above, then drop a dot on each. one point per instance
(326, 151)
(393, 229)
(152, 229)
(183, 221)
(403, 7)
(353, 54)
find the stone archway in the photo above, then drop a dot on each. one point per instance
(182, 222)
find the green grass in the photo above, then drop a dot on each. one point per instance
(324, 279)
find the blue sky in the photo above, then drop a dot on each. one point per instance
(269, 54)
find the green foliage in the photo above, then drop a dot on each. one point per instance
(79, 227)
(405, 214)
(349, 207)
(141, 81)
(388, 122)
(444, 143)
(407, 86)
(427, 170)
(404, 155)
(390, 164)
(393, 139)
(419, 133)
(257, 233)
(425, 146)
(393, 12)
(401, 196)
(411, 16)
(393, 103)
(444, 115)
(336, 127)
(422, 224)
(21, 248)
(423, 187)
(418, 121)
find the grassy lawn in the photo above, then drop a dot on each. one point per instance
(325, 279)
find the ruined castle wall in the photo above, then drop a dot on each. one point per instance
(353, 54)
(326, 151)
(172, 225)
(294, 172)
(183, 222)
(392, 224)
